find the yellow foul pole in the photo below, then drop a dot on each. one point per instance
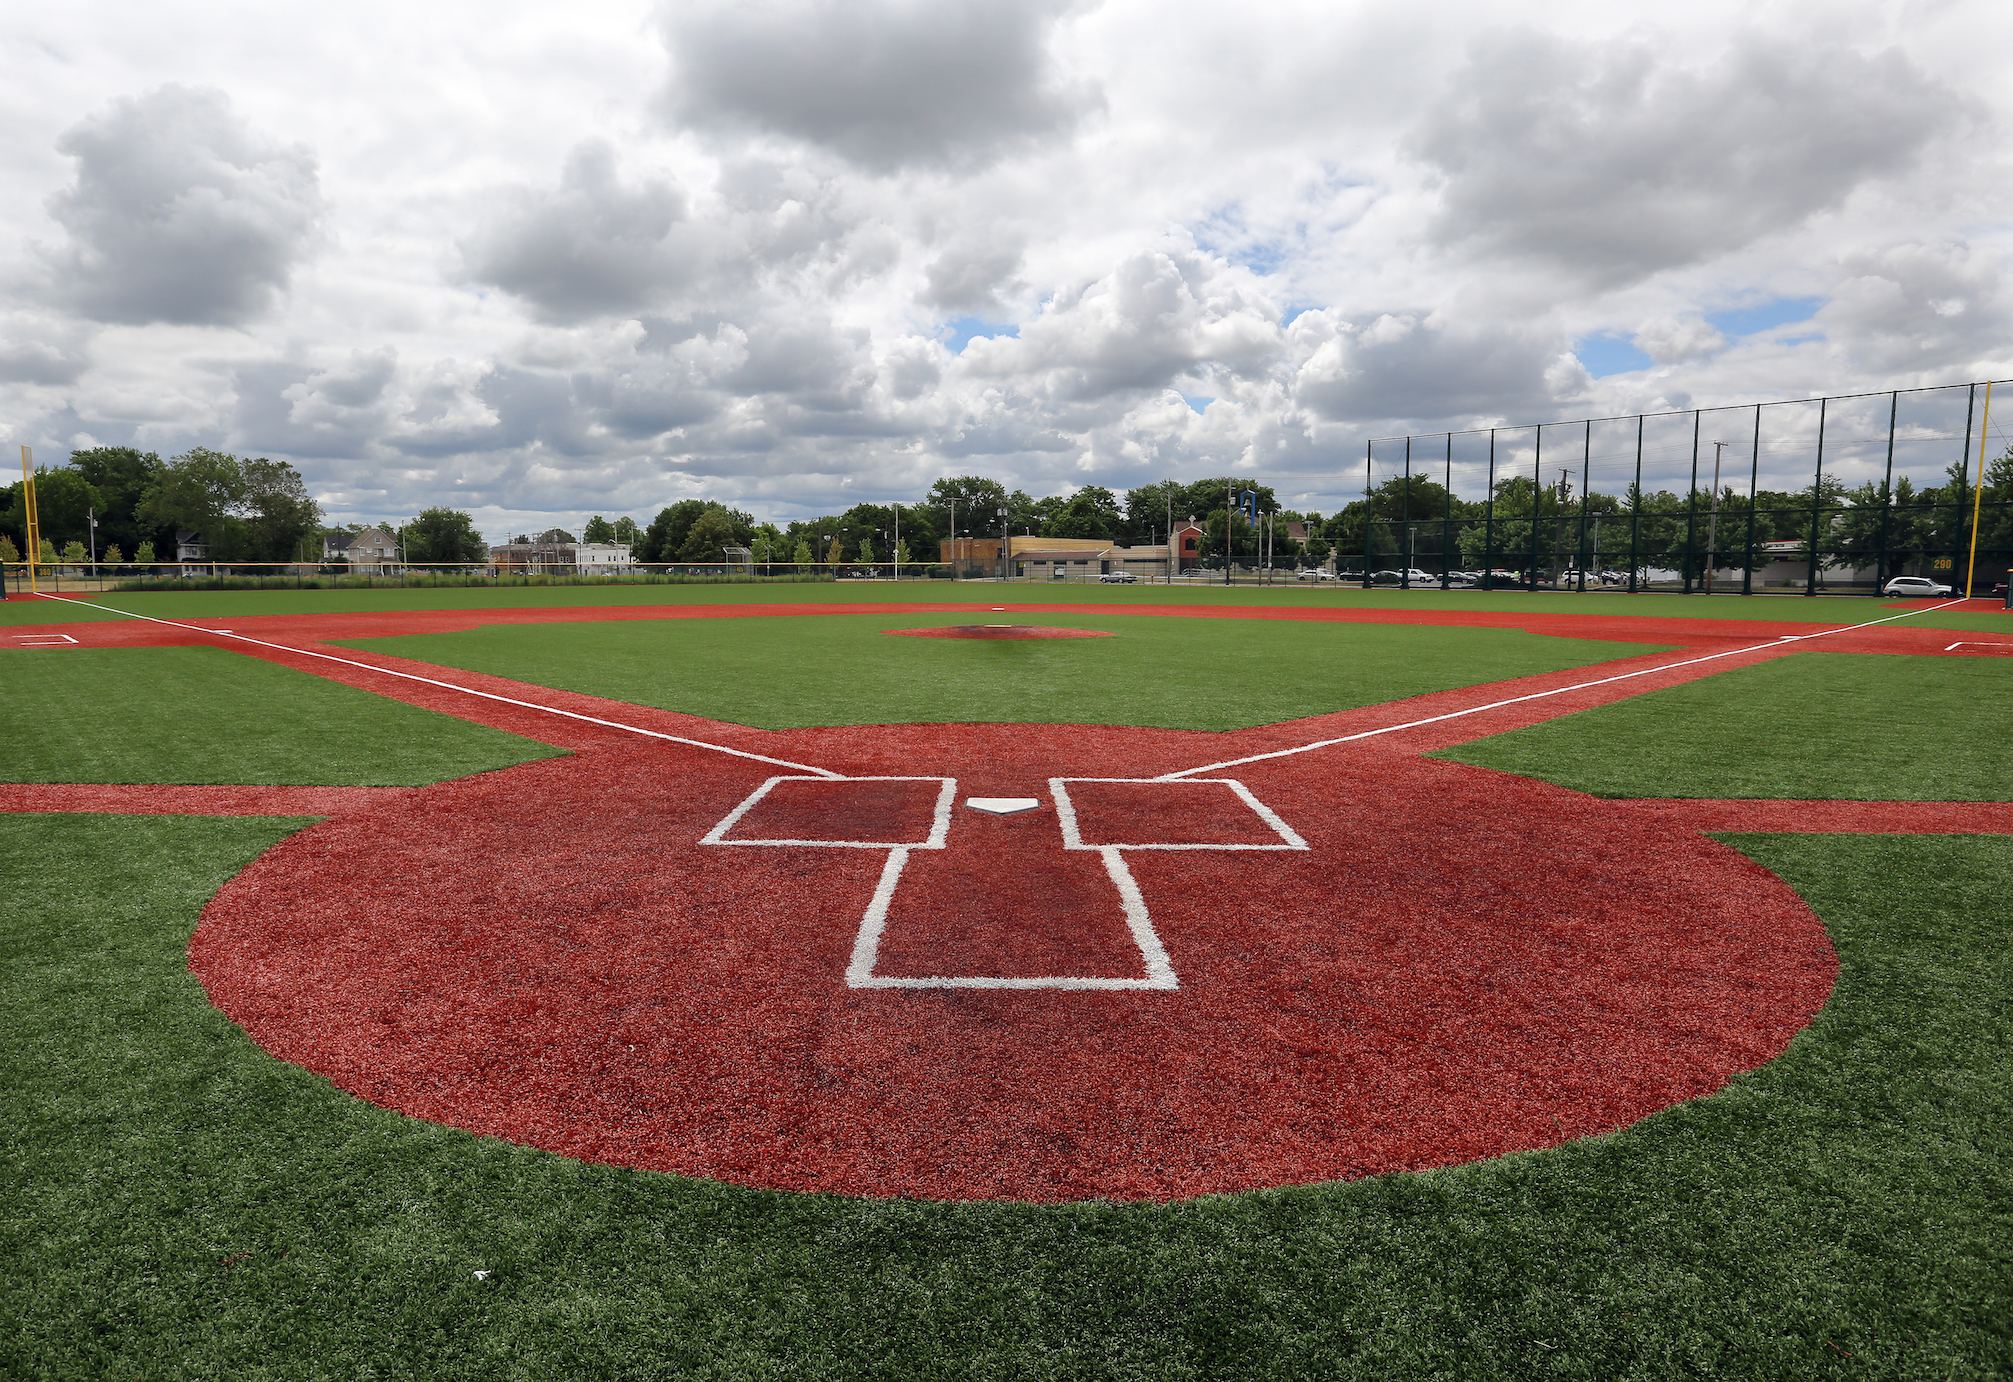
(32, 525)
(1978, 494)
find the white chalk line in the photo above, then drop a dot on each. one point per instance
(1777, 642)
(940, 822)
(465, 690)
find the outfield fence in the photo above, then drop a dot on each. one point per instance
(1911, 482)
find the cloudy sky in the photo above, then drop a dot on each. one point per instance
(541, 261)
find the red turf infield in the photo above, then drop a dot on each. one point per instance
(549, 955)
(1461, 963)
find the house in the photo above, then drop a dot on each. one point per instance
(189, 546)
(372, 552)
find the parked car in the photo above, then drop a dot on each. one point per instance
(1118, 578)
(1353, 577)
(1920, 587)
(1316, 573)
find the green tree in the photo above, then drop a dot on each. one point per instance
(444, 535)
(667, 532)
(627, 531)
(143, 555)
(1092, 512)
(837, 553)
(112, 556)
(867, 556)
(803, 556)
(121, 476)
(713, 530)
(246, 510)
(902, 555)
(73, 551)
(598, 529)
(277, 514)
(45, 552)
(63, 499)
(8, 551)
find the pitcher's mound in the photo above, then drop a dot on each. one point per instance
(1000, 631)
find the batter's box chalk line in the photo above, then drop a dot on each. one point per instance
(1158, 968)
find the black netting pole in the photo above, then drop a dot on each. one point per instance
(1816, 497)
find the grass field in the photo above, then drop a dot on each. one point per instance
(782, 672)
(984, 594)
(204, 715)
(1823, 726)
(184, 1206)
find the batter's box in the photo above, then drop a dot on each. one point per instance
(1188, 813)
(842, 813)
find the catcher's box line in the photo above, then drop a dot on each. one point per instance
(466, 690)
(940, 822)
(1776, 642)
(867, 943)
(1158, 968)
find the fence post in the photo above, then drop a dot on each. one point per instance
(1489, 522)
(1886, 494)
(1586, 493)
(1816, 496)
(1753, 489)
(1636, 508)
(1537, 488)
(1691, 501)
(1964, 467)
(1447, 531)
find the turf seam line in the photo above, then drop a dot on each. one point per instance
(467, 690)
(1777, 642)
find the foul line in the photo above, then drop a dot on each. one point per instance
(464, 690)
(1541, 695)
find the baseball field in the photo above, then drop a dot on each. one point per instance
(1005, 981)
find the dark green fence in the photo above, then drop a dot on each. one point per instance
(1834, 495)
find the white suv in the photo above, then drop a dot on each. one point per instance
(1920, 587)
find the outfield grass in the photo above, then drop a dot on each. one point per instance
(183, 1206)
(783, 672)
(1821, 726)
(984, 594)
(207, 716)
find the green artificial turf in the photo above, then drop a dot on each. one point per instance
(238, 604)
(180, 1205)
(1818, 726)
(783, 672)
(205, 715)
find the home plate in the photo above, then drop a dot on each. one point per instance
(1002, 806)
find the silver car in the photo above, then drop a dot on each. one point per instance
(1921, 587)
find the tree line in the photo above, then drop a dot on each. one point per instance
(251, 509)
(246, 508)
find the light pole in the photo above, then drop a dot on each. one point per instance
(897, 553)
(1004, 542)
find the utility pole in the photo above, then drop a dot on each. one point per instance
(1712, 523)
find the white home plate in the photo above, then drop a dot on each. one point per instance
(1002, 806)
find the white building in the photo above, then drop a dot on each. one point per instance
(603, 558)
